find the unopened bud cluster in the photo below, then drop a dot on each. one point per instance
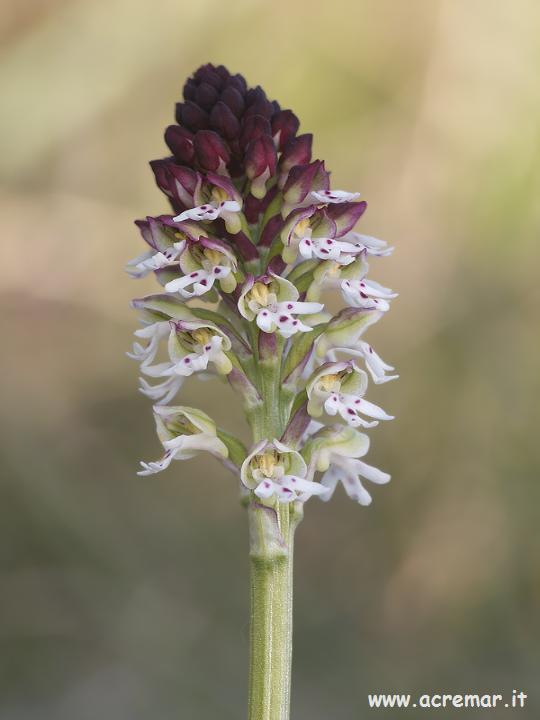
(255, 239)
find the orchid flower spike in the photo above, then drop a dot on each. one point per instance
(255, 240)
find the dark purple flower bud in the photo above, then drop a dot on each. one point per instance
(223, 72)
(183, 183)
(253, 127)
(162, 175)
(176, 181)
(206, 96)
(157, 235)
(180, 142)
(301, 180)
(190, 90)
(212, 153)
(224, 121)
(238, 81)
(272, 228)
(296, 152)
(192, 116)
(346, 215)
(208, 74)
(260, 107)
(232, 97)
(260, 162)
(285, 125)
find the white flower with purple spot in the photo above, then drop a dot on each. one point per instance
(204, 263)
(338, 388)
(366, 293)
(209, 211)
(375, 365)
(193, 345)
(150, 260)
(333, 196)
(273, 303)
(274, 470)
(328, 249)
(371, 245)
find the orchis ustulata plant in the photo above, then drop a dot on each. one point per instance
(254, 240)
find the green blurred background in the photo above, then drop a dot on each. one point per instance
(126, 598)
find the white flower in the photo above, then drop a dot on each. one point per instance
(273, 303)
(348, 472)
(328, 249)
(209, 211)
(203, 263)
(333, 196)
(339, 388)
(150, 260)
(183, 432)
(374, 363)
(335, 452)
(192, 346)
(371, 245)
(366, 293)
(273, 469)
(163, 392)
(154, 333)
(201, 281)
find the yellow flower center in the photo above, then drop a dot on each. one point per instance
(330, 382)
(267, 463)
(259, 293)
(182, 426)
(301, 227)
(201, 336)
(214, 256)
(219, 194)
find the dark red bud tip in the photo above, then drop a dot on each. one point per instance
(296, 152)
(206, 96)
(161, 174)
(212, 152)
(346, 215)
(285, 125)
(224, 121)
(180, 142)
(260, 156)
(192, 116)
(183, 179)
(300, 182)
(254, 127)
(232, 97)
(258, 104)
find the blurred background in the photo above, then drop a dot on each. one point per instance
(126, 598)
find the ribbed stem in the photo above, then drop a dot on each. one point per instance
(271, 555)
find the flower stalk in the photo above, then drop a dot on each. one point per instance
(271, 623)
(254, 241)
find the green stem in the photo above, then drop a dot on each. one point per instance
(271, 530)
(271, 554)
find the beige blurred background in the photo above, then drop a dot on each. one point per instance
(126, 598)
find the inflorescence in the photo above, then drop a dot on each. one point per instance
(255, 238)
